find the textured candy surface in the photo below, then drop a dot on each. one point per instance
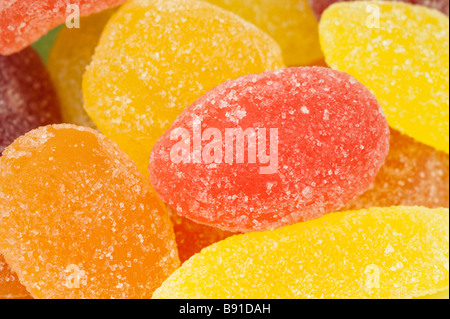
(157, 57)
(290, 22)
(27, 97)
(69, 57)
(402, 56)
(10, 287)
(192, 237)
(319, 6)
(414, 175)
(78, 218)
(395, 252)
(323, 133)
(24, 22)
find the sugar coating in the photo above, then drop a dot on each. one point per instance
(157, 57)
(397, 252)
(69, 57)
(27, 97)
(414, 174)
(319, 6)
(332, 140)
(10, 287)
(24, 22)
(78, 219)
(192, 237)
(404, 61)
(290, 22)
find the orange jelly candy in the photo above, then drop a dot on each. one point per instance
(10, 287)
(78, 219)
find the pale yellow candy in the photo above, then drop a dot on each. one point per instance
(290, 22)
(156, 57)
(70, 55)
(397, 252)
(401, 53)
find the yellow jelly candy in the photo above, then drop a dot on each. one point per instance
(397, 252)
(69, 57)
(290, 22)
(401, 53)
(156, 57)
(440, 295)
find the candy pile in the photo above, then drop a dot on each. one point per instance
(407, 241)
(326, 156)
(194, 164)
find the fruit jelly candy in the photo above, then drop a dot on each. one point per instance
(24, 22)
(319, 6)
(414, 175)
(10, 287)
(27, 96)
(27, 100)
(156, 57)
(192, 237)
(401, 53)
(69, 57)
(78, 218)
(328, 139)
(290, 22)
(397, 252)
(440, 295)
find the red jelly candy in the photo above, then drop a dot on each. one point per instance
(27, 96)
(319, 6)
(24, 22)
(273, 149)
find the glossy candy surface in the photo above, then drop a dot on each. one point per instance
(95, 229)
(156, 57)
(24, 22)
(396, 252)
(401, 53)
(290, 22)
(271, 149)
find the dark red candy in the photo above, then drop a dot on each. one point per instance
(27, 97)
